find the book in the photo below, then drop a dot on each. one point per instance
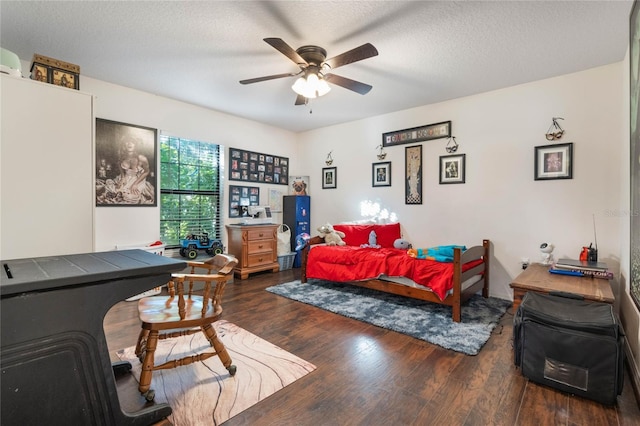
(605, 275)
(581, 265)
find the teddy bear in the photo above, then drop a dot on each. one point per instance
(331, 236)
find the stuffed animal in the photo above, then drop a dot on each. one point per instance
(402, 244)
(331, 236)
(373, 241)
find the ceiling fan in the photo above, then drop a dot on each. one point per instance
(315, 69)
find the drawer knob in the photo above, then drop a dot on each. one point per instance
(261, 234)
(260, 246)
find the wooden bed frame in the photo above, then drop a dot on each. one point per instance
(454, 299)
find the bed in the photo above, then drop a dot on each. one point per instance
(392, 270)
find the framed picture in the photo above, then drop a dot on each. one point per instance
(553, 162)
(413, 175)
(452, 168)
(125, 165)
(241, 197)
(329, 177)
(298, 185)
(417, 134)
(381, 174)
(257, 167)
(634, 86)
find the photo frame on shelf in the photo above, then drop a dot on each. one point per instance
(553, 161)
(634, 86)
(417, 134)
(452, 168)
(125, 165)
(241, 197)
(381, 174)
(329, 177)
(413, 174)
(249, 166)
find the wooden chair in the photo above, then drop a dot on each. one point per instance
(182, 314)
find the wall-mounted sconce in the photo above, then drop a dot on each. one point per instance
(452, 145)
(329, 160)
(381, 154)
(554, 132)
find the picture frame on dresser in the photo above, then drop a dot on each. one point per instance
(125, 165)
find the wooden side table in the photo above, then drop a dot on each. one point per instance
(538, 278)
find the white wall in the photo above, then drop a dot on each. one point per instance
(500, 199)
(117, 226)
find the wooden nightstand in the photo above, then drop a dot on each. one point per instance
(255, 247)
(538, 278)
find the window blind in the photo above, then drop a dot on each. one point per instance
(191, 174)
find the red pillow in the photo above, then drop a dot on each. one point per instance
(387, 234)
(355, 235)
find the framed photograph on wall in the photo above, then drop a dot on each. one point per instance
(553, 162)
(417, 134)
(298, 185)
(413, 175)
(381, 174)
(329, 177)
(452, 168)
(241, 197)
(125, 165)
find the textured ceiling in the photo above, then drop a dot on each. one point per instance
(429, 51)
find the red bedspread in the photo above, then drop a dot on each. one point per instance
(349, 263)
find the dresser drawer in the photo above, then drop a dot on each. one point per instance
(259, 259)
(260, 246)
(259, 234)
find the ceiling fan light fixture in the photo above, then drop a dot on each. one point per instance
(301, 87)
(323, 87)
(311, 86)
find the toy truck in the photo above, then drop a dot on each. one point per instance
(195, 242)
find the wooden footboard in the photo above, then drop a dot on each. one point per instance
(455, 299)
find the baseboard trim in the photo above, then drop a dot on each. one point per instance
(634, 373)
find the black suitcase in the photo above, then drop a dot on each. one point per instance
(571, 345)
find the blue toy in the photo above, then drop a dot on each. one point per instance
(301, 240)
(195, 242)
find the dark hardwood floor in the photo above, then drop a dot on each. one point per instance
(371, 376)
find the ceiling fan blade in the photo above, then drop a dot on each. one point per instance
(268, 77)
(354, 55)
(301, 100)
(286, 50)
(347, 83)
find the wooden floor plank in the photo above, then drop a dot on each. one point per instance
(367, 375)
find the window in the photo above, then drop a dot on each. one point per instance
(190, 189)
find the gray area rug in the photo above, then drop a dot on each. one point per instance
(423, 320)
